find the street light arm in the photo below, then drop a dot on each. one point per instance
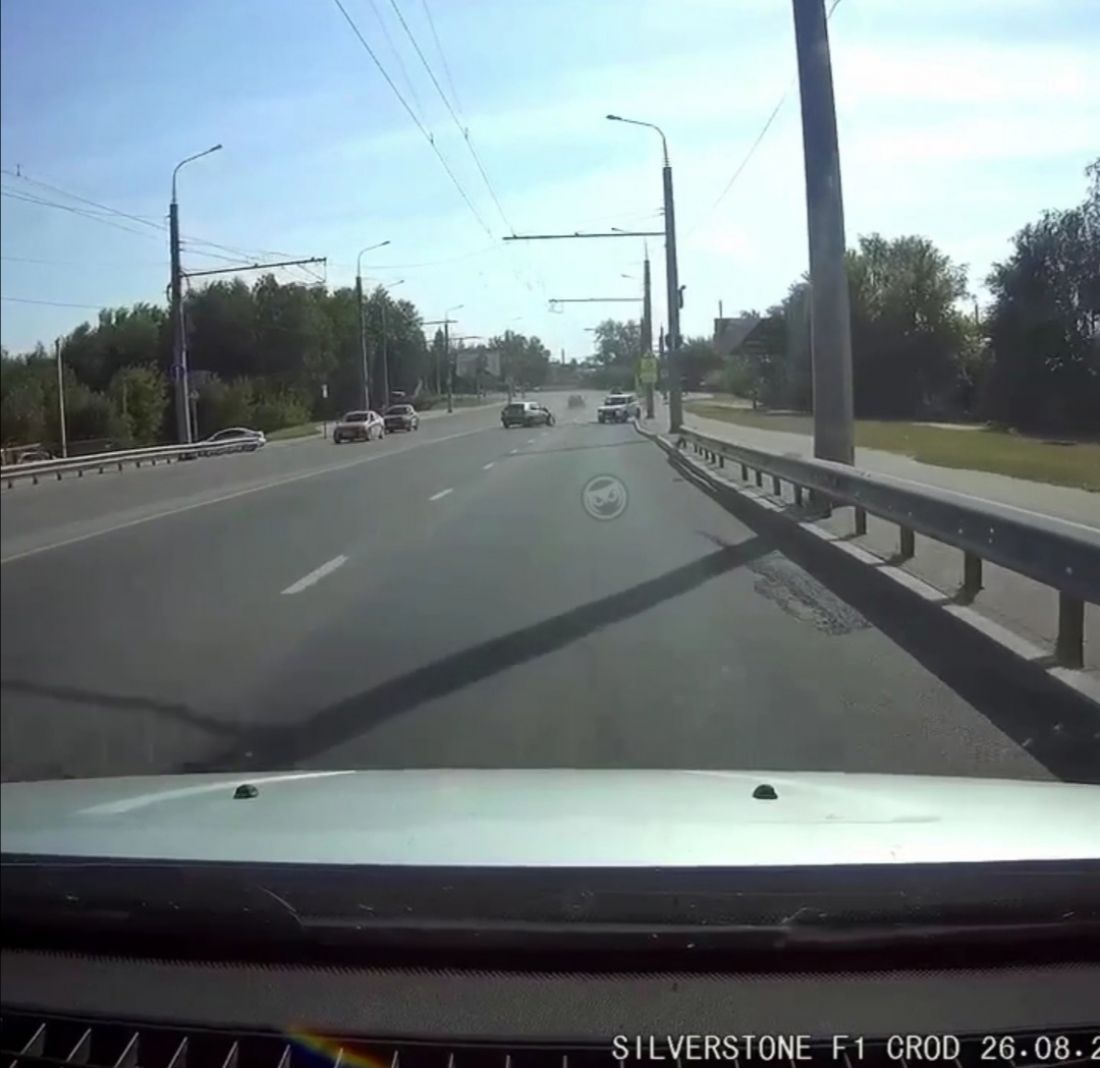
(197, 155)
(369, 248)
(650, 125)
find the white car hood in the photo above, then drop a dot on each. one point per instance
(553, 818)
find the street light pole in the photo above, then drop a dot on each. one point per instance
(61, 400)
(672, 279)
(647, 332)
(447, 356)
(179, 334)
(362, 320)
(385, 353)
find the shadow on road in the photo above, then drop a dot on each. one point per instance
(278, 748)
(167, 709)
(1058, 728)
(576, 448)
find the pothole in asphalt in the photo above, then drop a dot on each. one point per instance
(803, 597)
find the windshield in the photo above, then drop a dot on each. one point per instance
(728, 486)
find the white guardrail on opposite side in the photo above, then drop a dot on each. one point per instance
(100, 461)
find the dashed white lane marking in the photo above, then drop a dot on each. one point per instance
(233, 495)
(485, 467)
(441, 493)
(513, 452)
(316, 575)
(530, 441)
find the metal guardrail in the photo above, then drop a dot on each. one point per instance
(1055, 552)
(12, 473)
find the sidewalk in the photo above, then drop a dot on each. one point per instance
(1025, 607)
(1062, 501)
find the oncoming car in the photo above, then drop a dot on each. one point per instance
(525, 413)
(619, 408)
(358, 426)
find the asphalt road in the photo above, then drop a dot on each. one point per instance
(445, 598)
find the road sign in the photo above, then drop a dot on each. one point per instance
(647, 375)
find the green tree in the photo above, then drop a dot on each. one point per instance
(1044, 327)
(23, 383)
(698, 358)
(908, 333)
(524, 361)
(140, 396)
(122, 337)
(618, 342)
(221, 329)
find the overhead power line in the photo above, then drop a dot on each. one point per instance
(84, 264)
(756, 142)
(462, 129)
(155, 224)
(442, 56)
(397, 55)
(412, 115)
(33, 198)
(157, 228)
(53, 303)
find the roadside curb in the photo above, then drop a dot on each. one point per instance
(1077, 683)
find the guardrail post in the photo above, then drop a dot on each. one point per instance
(972, 576)
(721, 460)
(1070, 648)
(908, 543)
(797, 495)
(744, 473)
(759, 477)
(777, 487)
(861, 521)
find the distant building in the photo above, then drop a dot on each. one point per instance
(731, 334)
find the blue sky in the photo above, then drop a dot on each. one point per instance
(957, 120)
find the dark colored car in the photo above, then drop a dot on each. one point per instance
(401, 417)
(525, 413)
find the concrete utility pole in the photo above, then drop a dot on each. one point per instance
(444, 322)
(830, 324)
(672, 280)
(179, 334)
(385, 351)
(364, 370)
(647, 331)
(61, 400)
(447, 355)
